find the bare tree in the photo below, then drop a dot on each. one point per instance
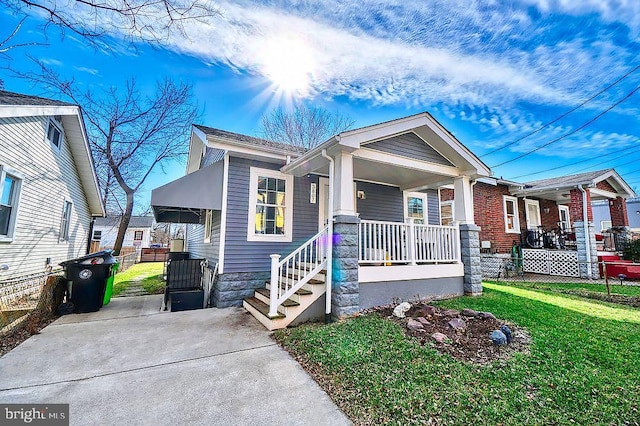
(145, 20)
(303, 126)
(130, 134)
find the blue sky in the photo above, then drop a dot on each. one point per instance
(489, 71)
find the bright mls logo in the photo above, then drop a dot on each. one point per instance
(34, 414)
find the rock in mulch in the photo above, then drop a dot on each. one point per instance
(486, 315)
(498, 338)
(426, 311)
(414, 325)
(423, 321)
(468, 313)
(439, 337)
(400, 310)
(507, 332)
(458, 324)
(450, 313)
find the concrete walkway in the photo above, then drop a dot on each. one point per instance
(129, 363)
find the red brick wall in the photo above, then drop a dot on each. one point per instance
(618, 210)
(549, 220)
(605, 186)
(575, 208)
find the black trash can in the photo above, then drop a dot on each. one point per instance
(87, 277)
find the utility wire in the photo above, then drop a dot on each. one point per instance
(592, 120)
(544, 126)
(634, 148)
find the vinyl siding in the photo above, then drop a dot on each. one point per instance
(50, 178)
(411, 146)
(253, 256)
(386, 203)
(195, 240)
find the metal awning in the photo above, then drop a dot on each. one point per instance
(185, 199)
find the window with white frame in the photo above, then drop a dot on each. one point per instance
(605, 225)
(10, 186)
(511, 220)
(532, 213)
(54, 133)
(270, 206)
(208, 225)
(415, 206)
(564, 222)
(65, 223)
(97, 236)
(446, 213)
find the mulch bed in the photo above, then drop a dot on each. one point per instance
(30, 326)
(472, 344)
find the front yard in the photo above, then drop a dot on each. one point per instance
(147, 275)
(582, 366)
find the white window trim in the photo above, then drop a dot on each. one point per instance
(254, 173)
(4, 171)
(602, 227)
(562, 208)
(453, 211)
(425, 210)
(58, 125)
(93, 235)
(62, 238)
(208, 224)
(528, 203)
(516, 224)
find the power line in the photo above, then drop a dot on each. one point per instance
(592, 120)
(634, 147)
(544, 126)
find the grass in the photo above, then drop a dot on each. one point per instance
(148, 274)
(625, 290)
(583, 366)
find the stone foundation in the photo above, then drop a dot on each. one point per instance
(586, 271)
(230, 289)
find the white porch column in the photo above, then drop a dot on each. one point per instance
(343, 196)
(463, 200)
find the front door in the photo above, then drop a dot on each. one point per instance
(323, 202)
(415, 206)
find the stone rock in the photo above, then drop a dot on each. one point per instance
(507, 332)
(498, 338)
(415, 325)
(486, 315)
(469, 313)
(451, 313)
(423, 321)
(429, 310)
(439, 337)
(458, 324)
(400, 310)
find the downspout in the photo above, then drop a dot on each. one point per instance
(585, 223)
(328, 277)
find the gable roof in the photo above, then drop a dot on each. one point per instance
(13, 105)
(135, 222)
(11, 98)
(587, 178)
(249, 141)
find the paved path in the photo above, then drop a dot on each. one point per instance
(129, 363)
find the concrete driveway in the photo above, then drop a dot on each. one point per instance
(131, 364)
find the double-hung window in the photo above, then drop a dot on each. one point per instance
(270, 206)
(565, 222)
(54, 132)
(10, 185)
(511, 220)
(137, 235)
(65, 224)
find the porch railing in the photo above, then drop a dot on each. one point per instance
(295, 270)
(391, 243)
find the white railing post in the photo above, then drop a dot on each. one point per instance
(275, 285)
(457, 243)
(411, 241)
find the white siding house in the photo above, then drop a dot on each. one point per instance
(138, 235)
(48, 187)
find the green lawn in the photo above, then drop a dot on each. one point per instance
(583, 366)
(149, 274)
(626, 290)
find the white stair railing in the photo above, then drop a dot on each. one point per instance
(296, 269)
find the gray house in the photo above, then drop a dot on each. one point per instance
(350, 224)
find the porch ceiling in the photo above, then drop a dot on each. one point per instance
(405, 178)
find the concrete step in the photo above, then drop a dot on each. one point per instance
(260, 311)
(264, 296)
